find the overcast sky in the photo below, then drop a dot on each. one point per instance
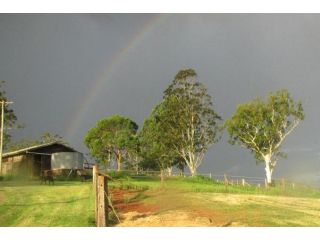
(66, 71)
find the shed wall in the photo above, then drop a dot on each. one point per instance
(67, 160)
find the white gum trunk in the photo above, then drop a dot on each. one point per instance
(193, 170)
(191, 164)
(267, 160)
(169, 171)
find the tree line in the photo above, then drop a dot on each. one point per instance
(184, 125)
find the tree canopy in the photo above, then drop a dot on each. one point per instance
(156, 148)
(262, 126)
(111, 137)
(189, 119)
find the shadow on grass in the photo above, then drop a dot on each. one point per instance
(37, 183)
(45, 203)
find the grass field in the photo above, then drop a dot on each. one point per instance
(199, 202)
(147, 202)
(32, 204)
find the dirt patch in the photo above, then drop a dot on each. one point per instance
(168, 219)
(127, 201)
(179, 209)
(164, 212)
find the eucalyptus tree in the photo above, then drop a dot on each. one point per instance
(133, 153)
(155, 145)
(262, 126)
(188, 118)
(111, 137)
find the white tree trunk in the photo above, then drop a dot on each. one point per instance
(268, 168)
(169, 171)
(193, 170)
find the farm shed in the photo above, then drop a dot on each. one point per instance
(30, 161)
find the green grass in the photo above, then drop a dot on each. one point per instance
(242, 206)
(71, 203)
(203, 184)
(245, 206)
(32, 204)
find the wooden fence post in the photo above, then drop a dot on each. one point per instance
(95, 171)
(102, 201)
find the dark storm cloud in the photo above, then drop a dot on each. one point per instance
(51, 61)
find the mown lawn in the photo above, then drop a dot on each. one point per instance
(32, 204)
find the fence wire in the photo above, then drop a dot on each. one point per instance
(230, 179)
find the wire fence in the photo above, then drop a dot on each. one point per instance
(220, 178)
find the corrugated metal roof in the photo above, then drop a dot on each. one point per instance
(36, 147)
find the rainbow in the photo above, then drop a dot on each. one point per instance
(117, 59)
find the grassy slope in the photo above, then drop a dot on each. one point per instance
(65, 204)
(71, 203)
(246, 206)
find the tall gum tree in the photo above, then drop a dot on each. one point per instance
(262, 127)
(189, 118)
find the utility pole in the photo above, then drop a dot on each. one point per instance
(3, 103)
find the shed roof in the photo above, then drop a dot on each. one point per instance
(37, 147)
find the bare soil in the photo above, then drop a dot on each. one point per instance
(163, 214)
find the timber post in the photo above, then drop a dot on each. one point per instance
(102, 193)
(95, 170)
